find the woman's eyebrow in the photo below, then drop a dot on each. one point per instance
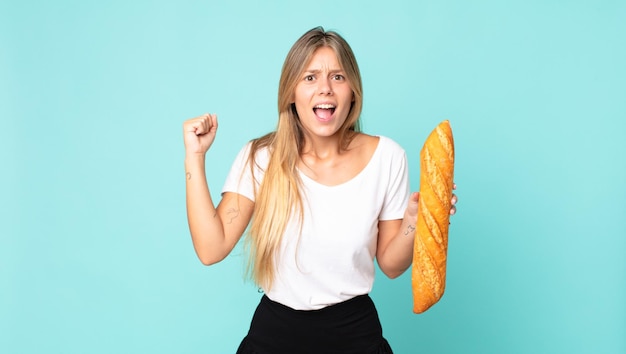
(317, 71)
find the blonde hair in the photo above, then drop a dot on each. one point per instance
(278, 197)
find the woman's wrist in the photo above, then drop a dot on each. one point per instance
(194, 165)
(410, 219)
(194, 158)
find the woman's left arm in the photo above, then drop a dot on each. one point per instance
(395, 239)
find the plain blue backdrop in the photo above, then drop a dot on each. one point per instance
(95, 255)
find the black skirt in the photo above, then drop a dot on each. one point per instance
(349, 327)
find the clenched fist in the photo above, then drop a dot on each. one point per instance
(199, 133)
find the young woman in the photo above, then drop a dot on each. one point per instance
(322, 200)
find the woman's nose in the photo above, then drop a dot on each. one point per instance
(325, 86)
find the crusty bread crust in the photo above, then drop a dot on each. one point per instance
(433, 216)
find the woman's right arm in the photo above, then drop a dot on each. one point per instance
(214, 230)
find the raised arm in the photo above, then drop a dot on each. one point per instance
(214, 230)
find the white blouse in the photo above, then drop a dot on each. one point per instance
(332, 259)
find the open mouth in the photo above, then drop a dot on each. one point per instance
(324, 111)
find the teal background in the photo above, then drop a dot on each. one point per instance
(95, 255)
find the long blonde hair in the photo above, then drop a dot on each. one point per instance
(278, 197)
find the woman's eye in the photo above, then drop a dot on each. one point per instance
(308, 78)
(338, 77)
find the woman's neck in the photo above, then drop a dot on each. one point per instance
(325, 148)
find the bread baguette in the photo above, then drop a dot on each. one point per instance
(433, 215)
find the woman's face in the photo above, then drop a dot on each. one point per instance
(323, 95)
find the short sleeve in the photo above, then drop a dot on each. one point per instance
(397, 189)
(240, 178)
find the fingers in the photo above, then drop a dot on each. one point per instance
(453, 201)
(213, 127)
(204, 124)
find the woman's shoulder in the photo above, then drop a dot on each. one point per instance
(362, 147)
(364, 140)
(381, 143)
(378, 150)
(252, 149)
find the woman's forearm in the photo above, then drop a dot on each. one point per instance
(207, 232)
(397, 256)
(395, 252)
